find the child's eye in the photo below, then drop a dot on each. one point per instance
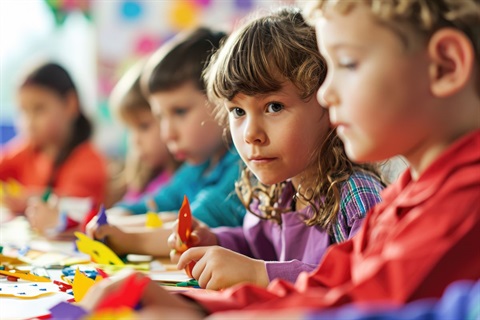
(348, 65)
(237, 112)
(144, 126)
(275, 107)
(180, 111)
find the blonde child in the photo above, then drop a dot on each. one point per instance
(175, 89)
(403, 79)
(310, 195)
(53, 154)
(148, 165)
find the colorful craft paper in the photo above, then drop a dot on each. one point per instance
(98, 252)
(81, 284)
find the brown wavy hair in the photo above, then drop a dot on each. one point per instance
(257, 59)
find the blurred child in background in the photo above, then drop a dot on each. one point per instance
(148, 164)
(53, 155)
(176, 91)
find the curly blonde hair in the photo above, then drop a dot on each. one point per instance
(414, 18)
(259, 58)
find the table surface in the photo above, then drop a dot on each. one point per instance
(15, 232)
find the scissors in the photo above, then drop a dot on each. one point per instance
(184, 231)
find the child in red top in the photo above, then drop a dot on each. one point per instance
(53, 151)
(403, 79)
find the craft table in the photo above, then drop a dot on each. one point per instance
(15, 231)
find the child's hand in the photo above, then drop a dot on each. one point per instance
(43, 217)
(156, 302)
(218, 268)
(114, 238)
(92, 227)
(17, 205)
(200, 236)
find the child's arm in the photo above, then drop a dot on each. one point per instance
(234, 239)
(145, 241)
(218, 205)
(13, 156)
(359, 194)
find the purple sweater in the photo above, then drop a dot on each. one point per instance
(293, 247)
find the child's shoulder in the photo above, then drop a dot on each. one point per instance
(87, 151)
(361, 182)
(360, 192)
(17, 150)
(86, 158)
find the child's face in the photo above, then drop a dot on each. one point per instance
(45, 116)
(277, 134)
(186, 124)
(144, 132)
(376, 89)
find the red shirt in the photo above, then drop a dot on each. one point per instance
(423, 236)
(83, 174)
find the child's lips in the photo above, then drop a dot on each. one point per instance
(261, 159)
(180, 155)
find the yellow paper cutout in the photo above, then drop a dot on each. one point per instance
(10, 261)
(81, 284)
(13, 188)
(24, 276)
(122, 313)
(99, 252)
(40, 295)
(109, 269)
(153, 220)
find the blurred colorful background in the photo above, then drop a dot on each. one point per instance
(97, 41)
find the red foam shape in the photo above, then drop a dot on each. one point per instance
(128, 295)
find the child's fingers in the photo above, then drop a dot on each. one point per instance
(172, 241)
(192, 254)
(102, 232)
(91, 227)
(174, 256)
(202, 274)
(30, 214)
(195, 223)
(194, 238)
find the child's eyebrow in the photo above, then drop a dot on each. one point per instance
(343, 45)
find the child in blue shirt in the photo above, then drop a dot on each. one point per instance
(211, 192)
(172, 81)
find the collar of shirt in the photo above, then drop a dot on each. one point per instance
(462, 153)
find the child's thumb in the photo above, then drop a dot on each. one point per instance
(194, 239)
(101, 232)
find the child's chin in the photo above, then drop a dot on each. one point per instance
(361, 156)
(268, 181)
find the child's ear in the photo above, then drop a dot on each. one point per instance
(452, 58)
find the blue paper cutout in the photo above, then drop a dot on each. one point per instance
(67, 311)
(102, 216)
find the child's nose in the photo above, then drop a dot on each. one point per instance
(254, 133)
(326, 96)
(168, 132)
